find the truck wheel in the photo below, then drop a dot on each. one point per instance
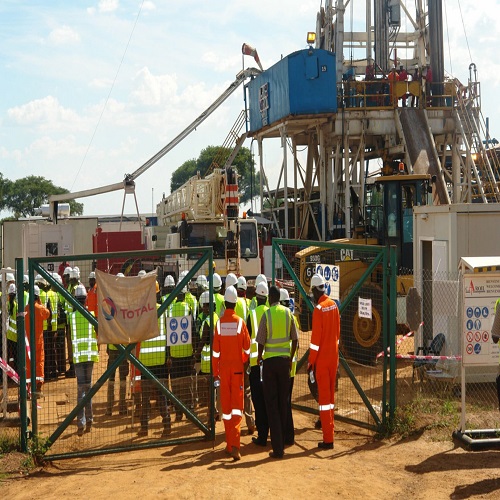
(361, 338)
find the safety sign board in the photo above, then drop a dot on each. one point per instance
(480, 292)
(179, 331)
(331, 274)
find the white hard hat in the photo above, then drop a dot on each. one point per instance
(202, 281)
(10, 277)
(184, 288)
(67, 270)
(231, 295)
(242, 283)
(317, 281)
(12, 288)
(284, 294)
(142, 272)
(183, 274)
(261, 278)
(91, 275)
(120, 275)
(36, 291)
(26, 279)
(74, 273)
(80, 291)
(231, 279)
(169, 280)
(58, 278)
(39, 279)
(205, 298)
(77, 269)
(216, 281)
(262, 289)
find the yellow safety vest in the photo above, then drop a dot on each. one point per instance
(12, 328)
(153, 351)
(278, 332)
(219, 304)
(206, 359)
(241, 308)
(255, 317)
(83, 338)
(293, 370)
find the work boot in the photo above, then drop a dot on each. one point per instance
(111, 398)
(123, 394)
(325, 446)
(80, 431)
(235, 453)
(88, 426)
(70, 373)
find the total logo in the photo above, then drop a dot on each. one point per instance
(110, 311)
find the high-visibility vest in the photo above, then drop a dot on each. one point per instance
(219, 304)
(83, 338)
(12, 328)
(241, 308)
(293, 370)
(54, 299)
(190, 299)
(206, 360)
(153, 351)
(255, 317)
(254, 304)
(180, 309)
(279, 320)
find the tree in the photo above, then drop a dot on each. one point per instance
(249, 180)
(24, 195)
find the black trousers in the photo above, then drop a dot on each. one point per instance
(290, 431)
(259, 404)
(276, 380)
(49, 345)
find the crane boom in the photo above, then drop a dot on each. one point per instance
(128, 182)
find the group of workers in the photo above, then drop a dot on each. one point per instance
(249, 362)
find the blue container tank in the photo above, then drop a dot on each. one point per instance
(303, 83)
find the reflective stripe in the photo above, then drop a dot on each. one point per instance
(278, 334)
(226, 416)
(314, 347)
(327, 407)
(216, 354)
(237, 412)
(246, 351)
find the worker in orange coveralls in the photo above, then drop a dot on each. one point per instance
(324, 355)
(230, 350)
(41, 314)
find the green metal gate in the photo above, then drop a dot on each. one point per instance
(365, 394)
(52, 413)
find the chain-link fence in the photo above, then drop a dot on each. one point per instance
(429, 356)
(355, 275)
(133, 396)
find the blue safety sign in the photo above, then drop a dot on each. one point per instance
(179, 330)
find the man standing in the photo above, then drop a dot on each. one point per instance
(230, 351)
(85, 354)
(276, 330)
(324, 355)
(259, 403)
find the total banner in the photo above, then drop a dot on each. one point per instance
(127, 308)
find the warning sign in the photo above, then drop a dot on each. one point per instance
(178, 331)
(481, 291)
(332, 279)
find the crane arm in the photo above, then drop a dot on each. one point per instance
(240, 78)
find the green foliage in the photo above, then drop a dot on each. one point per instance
(37, 447)
(249, 179)
(24, 195)
(8, 444)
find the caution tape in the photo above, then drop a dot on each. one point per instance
(420, 357)
(404, 337)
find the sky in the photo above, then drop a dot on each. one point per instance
(92, 89)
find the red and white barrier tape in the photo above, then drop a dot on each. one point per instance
(404, 337)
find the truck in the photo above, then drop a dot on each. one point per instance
(387, 220)
(205, 212)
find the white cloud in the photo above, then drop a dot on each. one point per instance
(108, 5)
(148, 5)
(43, 112)
(63, 36)
(101, 83)
(223, 63)
(154, 90)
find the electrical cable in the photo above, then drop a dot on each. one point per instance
(465, 31)
(107, 98)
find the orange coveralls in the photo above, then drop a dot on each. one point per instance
(41, 314)
(324, 357)
(91, 301)
(230, 350)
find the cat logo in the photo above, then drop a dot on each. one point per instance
(346, 254)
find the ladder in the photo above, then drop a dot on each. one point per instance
(482, 166)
